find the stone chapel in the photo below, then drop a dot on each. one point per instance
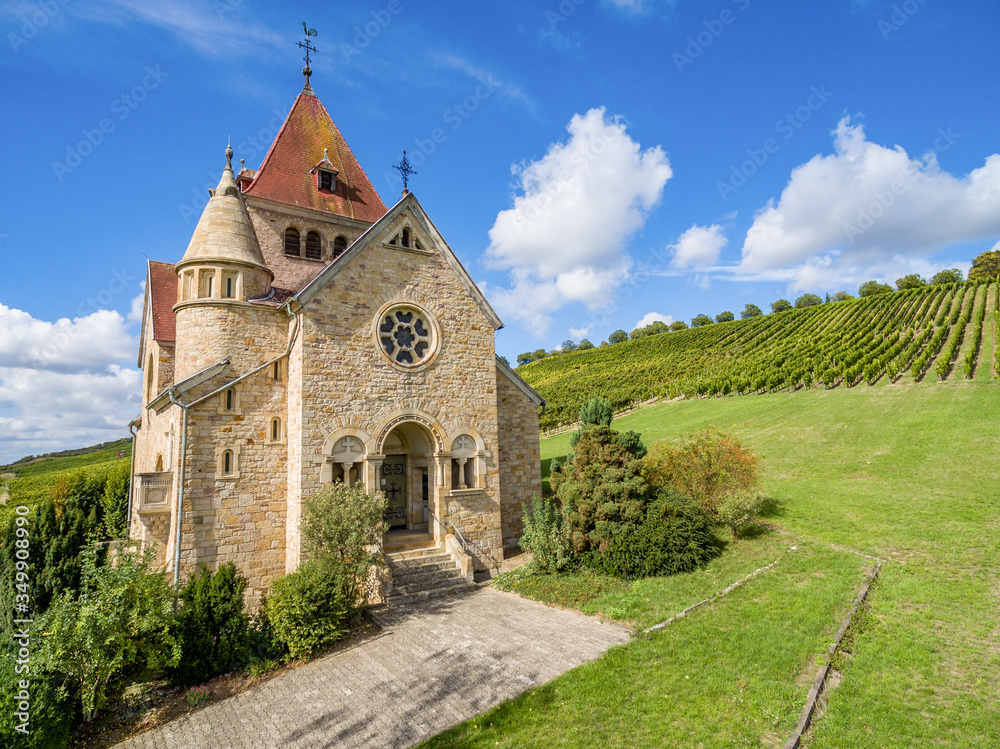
(311, 335)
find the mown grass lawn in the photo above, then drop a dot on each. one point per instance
(908, 473)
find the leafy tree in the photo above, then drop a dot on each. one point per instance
(841, 296)
(781, 305)
(619, 336)
(654, 328)
(341, 528)
(568, 345)
(698, 320)
(910, 281)
(585, 344)
(504, 360)
(952, 275)
(116, 630)
(539, 354)
(524, 358)
(212, 626)
(725, 316)
(751, 310)
(678, 325)
(807, 300)
(985, 265)
(871, 288)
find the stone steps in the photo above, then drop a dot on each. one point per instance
(419, 574)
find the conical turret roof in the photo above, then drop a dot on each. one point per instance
(225, 232)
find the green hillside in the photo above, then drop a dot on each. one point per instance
(31, 480)
(930, 334)
(906, 473)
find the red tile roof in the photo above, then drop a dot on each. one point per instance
(163, 293)
(285, 176)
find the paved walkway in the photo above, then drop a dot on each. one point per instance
(434, 665)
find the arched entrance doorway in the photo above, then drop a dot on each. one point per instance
(406, 478)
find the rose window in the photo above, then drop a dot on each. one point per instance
(406, 335)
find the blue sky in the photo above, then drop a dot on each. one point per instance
(594, 163)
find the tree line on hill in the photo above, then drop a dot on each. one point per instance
(985, 265)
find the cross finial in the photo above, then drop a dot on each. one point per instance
(405, 170)
(307, 70)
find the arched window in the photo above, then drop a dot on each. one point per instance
(207, 283)
(228, 463)
(229, 287)
(339, 245)
(292, 241)
(463, 463)
(275, 429)
(314, 247)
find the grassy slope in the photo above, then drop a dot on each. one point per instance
(904, 472)
(34, 481)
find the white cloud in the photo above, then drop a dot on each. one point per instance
(578, 333)
(61, 385)
(44, 410)
(652, 317)
(84, 344)
(867, 209)
(493, 83)
(565, 238)
(698, 247)
(136, 308)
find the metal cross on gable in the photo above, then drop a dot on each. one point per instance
(406, 171)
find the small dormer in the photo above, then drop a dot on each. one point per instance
(326, 173)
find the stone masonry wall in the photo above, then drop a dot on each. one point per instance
(293, 273)
(246, 334)
(520, 457)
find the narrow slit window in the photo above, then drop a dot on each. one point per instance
(276, 372)
(230, 399)
(406, 237)
(314, 246)
(229, 287)
(227, 463)
(292, 241)
(275, 429)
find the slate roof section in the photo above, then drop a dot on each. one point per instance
(286, 176)
(163, 291)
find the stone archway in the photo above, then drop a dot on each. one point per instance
(406, 476)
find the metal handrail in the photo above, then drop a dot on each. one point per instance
(461, 539)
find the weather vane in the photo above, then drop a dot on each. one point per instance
(308, 48)
(404, 168)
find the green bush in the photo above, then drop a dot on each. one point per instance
(51, 710)
(674, 537)
(211, 626)
(308, 609)
(341, 529)
(739, 510)
(546, 537)
(114, 633)
(263, 645)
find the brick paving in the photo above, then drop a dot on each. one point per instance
(435, 664)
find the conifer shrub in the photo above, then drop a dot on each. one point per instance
(674, 537)
(710, 466)
(50, 709)
(601, 489)
(211, 627)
